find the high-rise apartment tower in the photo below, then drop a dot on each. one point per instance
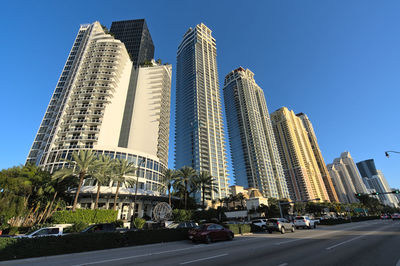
(104, 103)
(136, 37)
(255, 155)
(318, 157)
(199, 130)
(298, 161)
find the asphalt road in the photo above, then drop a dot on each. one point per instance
(365, 243)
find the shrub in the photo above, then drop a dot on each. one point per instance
(11, 248)
(139, 223)
(182, 215)
(239, 228)
(119, 223)
(84, 216)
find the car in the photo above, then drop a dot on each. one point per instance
(385, 216)
(187, 225)
(210, 232)
(280, 225)
(261, 223)
(395, 216)
(100, 228)
(304, 222)
(45, 231)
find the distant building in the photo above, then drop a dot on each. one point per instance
(318, 156)
(136, 37)
(374, 179)
(199, 129)
(299, 164)
(255, 156)
(346, 179)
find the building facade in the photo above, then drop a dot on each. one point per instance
(374, 179)
(333, 197)
(199, 130)
(136, 37)
(299, 164)
(104, 103)
(344, 174)
(255, 156)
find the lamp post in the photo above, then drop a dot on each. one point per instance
(289, 202)
(136, 187)
(387, 153)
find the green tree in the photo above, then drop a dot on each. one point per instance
(204, 182)
(122, 169)
(102, 173)
(185, 176)
(241, 197)
(81, 166)
(169, 179)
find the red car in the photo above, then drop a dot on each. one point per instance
(210, 232)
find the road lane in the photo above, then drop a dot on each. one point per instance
(304, 247)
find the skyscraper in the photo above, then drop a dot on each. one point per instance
(255, 155)
(199, 137)
(298, 161)
(318, 156)
(344, 174)
(104, 103)
(374, 179)
(136, 37)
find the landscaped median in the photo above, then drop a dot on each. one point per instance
(19, 248)
(343, 221)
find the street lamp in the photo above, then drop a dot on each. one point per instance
(387, 153)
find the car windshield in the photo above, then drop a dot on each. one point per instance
(299, 218)
(272, 220)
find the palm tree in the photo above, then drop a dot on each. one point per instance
(81, 166)
(102, 174)
(241, 197)
(185, 175)
(122, 168)
(169, 179)
(205, 183)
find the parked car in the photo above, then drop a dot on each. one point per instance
(45, 231)
(279, 225)
(385, 216)
(261, 223)
(395, 216)
(304, 222)
(100, 228)
(188, 225)
(209, 233)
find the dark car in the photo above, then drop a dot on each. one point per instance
(97, 228)
(210, 232)
(187, 225)
(280, 225)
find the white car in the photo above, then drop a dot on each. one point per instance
(304, 222)
(45, 231)
(262, 223)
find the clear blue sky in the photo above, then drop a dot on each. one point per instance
(336, 61)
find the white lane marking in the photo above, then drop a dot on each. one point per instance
(355, 238)
(208, 258)
(398, 263)
(283, 264)
(315, 236)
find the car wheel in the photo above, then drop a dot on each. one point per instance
(292, 229)
(282, 230)
(297, 227)
(194, 241)
(315, 226)
(270, 231)
(230, 237)
(208, 239)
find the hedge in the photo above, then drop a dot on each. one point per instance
(84, 216)
(343, 221)
(239, 228)
(19, 248)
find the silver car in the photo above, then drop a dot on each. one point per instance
(280, 225)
